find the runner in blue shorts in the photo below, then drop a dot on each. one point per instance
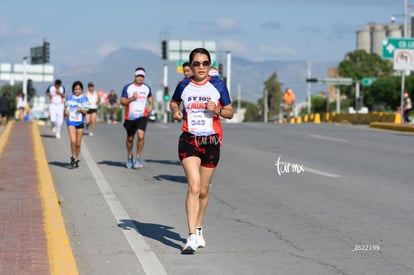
(76, 107)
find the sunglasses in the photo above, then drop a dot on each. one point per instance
(198, 64)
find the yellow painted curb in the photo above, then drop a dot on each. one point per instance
(317, 118)
(60, 254)
(5, 136)
(397, 118)
(391, 126)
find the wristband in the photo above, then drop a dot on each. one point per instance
(220, 111)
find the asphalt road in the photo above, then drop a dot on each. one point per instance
(285, 199)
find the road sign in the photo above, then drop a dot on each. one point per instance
(336, 80)
(403, 60)
(367, 81)
(332, 80)
(389, 45)
(180, 49)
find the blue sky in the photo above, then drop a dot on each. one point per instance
(85, 31)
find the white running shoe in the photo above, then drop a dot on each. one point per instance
(138, 163)
(191, 245)
(58, 135)
(201, 243)
(91, 134)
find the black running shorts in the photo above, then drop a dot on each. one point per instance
(207, 148)
(132, 126)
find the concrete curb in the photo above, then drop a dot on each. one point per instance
(392, 126)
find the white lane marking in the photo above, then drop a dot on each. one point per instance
(331, 138)
(143, 252)
(321, 173)
(309, 170)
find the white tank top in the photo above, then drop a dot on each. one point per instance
(92, 98)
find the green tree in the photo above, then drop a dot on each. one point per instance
(252, 113)
(11, 91)
(384, 94)
(318, 104)
(360, 64)
(274, 98)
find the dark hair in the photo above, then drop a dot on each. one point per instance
(186, 64)
(21, 94)
(58, 82)
(199, 50)
(140, 68)
(76, 83)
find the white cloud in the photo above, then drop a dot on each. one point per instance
(275, 50)
(7, 32)
(145, 45)
(227, 25)
(235, 47)
(221, 26)
(107, 48)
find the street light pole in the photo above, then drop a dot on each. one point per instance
(403, 72)
(405, 15)
(24, 80)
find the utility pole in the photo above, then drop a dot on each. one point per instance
(228, 71)
(265, 105)
(309, 72)
(403, 71)
(25, 79)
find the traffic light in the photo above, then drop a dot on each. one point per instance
(31, 91)
(269, 100)
(46, 51)
(164, 49)
(166, 94)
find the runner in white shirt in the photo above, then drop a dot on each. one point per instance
(94, 100)
(56, 93)
(134, 98)
(204, 99)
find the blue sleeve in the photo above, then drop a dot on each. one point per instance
(222, 88)
(48, 89)
(149, 89)
(179, 89)
(124, 91)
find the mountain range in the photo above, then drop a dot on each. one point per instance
(247, 77)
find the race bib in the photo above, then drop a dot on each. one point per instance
(199, 122)
(74, 114)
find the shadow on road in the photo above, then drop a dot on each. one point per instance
(179, 179)
(60, 164)
(164, 161)
(48, 136)
(112, 163)
(159, 232)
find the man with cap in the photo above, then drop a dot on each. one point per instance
(134, 98)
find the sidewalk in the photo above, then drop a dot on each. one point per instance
(32, 235)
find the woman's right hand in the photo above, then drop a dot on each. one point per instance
(178, 115)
